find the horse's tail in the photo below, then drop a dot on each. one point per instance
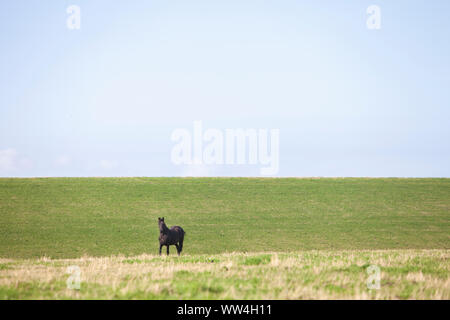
(183, 233)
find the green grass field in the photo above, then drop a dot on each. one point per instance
(93, 218)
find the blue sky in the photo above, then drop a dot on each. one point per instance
(105, 99)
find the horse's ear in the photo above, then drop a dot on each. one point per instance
(162, 219)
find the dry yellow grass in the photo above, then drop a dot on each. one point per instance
(405, 274)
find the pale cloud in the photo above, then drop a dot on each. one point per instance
(62, 161)
(10, 160)
(108, 165)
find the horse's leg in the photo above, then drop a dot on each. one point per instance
(178, 248)
(160, 247)
(167, 249)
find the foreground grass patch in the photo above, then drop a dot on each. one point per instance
(405, 274)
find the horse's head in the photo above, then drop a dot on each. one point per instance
(161, 223)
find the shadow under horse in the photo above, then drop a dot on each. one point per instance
(168, 237)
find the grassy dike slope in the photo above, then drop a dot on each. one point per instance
(72, 217)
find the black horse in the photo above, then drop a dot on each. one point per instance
(172, 236)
